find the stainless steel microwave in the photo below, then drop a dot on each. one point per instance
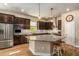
(17, 30)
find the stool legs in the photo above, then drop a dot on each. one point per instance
(57, 51)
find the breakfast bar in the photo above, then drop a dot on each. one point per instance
(41, 44)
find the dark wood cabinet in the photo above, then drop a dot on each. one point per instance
(49, 25)
(9, 19)
(19, 39)
(59, 24)
(40, 25)
(26, 24)
(45, 25)
(18, 20)
(6, 18)
(2, 19)
(23, 21)
(23, 39)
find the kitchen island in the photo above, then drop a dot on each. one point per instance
(41, 44)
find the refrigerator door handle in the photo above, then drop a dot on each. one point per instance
(4, 31)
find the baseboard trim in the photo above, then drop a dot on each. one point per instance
(77, 46)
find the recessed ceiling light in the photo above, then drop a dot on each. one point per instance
(22, 10)
(67, 9)
(5, 4)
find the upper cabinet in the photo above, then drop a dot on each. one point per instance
(23, 21)
(59, 24)
(49, 25)
(40, 25)
(45, 25)
(26, 23)
(18, 20)
(6, 18)
(2, 19)
(9, 19)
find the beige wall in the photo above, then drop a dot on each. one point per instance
(76, 29)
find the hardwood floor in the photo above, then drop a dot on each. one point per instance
(70, 50)
(19, 50)
(23, 50)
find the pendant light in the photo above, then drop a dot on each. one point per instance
(39, 11)
(50, 18)
(51, 12)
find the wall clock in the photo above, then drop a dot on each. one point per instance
(69, 18)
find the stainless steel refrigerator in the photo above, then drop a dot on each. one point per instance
(6, 35)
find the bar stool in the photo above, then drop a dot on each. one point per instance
(56, 48)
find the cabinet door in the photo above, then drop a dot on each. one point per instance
(59, 24)
(9, 19)
(23, 39)
(41, 25)
(16, 20)
(45, 25)
(23, 21)
(19, 20)
(17, 39)
(50, 25)
(26, 23)
(2, 18)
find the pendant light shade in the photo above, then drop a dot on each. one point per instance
(51, 11)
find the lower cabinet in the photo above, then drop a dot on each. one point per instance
(19, 39)
(23, 40)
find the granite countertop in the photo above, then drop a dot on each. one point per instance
(34, 34)
(53, 38)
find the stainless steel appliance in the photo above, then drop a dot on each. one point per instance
(17, 30)
(6, 35)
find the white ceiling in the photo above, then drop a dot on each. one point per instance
(32, 8)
